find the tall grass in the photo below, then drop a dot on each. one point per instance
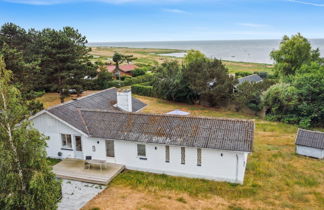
(275, 175)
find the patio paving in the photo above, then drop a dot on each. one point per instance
(73, 169)
(77, 194)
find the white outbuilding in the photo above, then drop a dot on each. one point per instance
(102, 127)
(310, 143)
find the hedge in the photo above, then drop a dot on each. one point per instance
(242, 74)
(131, 81)
(143, 90)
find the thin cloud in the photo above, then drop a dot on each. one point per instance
(36, 2)
(177, 11)
(52, 2)
(253, 25)
(307, 3)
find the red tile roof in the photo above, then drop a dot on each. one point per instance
(124, 68)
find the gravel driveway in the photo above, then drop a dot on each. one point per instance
(77, 194)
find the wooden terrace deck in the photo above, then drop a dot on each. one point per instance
(73, 169)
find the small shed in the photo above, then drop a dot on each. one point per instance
(310, 143)
(178, 112)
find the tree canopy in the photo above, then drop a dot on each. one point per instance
(299, 102)
(299, 98)
(51, 60)
(26, 180)
(198, 79)
(292, 54)
(169, 83)
(208, 78)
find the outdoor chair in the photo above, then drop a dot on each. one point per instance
(86, 164)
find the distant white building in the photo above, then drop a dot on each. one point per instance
(103, 126)
(310, 143)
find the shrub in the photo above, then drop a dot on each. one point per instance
(249, 95)
(242, 74)
(125, 77)
(35, 106)
(143, 90)
(139, 79)
(138, 72)
(262, 74)
(101, 82)
(131, 80)
(116, 83)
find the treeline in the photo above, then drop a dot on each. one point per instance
(59, 61)
(46, 60)
(293, 94)
(299, 96)
(200, 80)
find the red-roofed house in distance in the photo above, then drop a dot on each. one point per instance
(125, 69)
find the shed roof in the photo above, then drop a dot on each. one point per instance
(103, 100)
(250, 78)
(202, 132)
(309, 138)
(178, 112)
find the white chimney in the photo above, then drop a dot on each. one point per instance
(124, 100)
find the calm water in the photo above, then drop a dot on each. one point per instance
(235, 50)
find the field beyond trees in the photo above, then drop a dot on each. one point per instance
(276, 178)
(148, 56)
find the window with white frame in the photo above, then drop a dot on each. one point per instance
(66, 141)
(141, 151)
(183, 155)
(167, 154)
(198, 157)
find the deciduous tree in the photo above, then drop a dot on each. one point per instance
(26, 180)
(292, 54)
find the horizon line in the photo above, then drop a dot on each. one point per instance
(196, 40)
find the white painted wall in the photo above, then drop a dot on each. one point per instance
(53, 128)
(309, 151)
(216, 164)
(229, 167)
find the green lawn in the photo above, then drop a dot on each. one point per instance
(52, 161)
(248, 67)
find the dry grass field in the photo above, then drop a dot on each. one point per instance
(152, 57)
(52, 99)
(276, 178)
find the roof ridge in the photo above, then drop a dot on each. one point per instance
(320, 132)
(166, 115)
(81, 98)
(83, 121)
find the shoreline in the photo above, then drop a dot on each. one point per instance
(162, 52)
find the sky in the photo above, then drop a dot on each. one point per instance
(170, 20)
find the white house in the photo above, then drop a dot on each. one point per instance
(310, 143)
(105, 126)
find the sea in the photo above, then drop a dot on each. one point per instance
(256, 51)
